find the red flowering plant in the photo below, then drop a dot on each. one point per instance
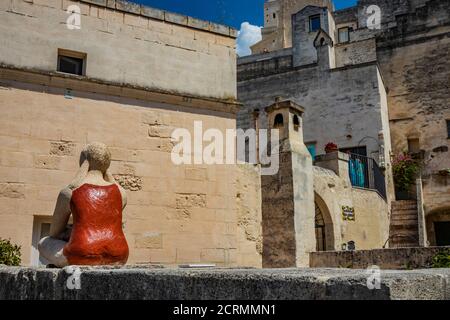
(331, 147)
(405, 170)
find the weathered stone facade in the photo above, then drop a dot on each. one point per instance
(414, 60)
(380, 87)
(277, 31)
(333, 195)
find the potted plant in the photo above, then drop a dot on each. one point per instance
(331, 147)
(405, 170)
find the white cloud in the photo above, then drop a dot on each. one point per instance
(247, 36)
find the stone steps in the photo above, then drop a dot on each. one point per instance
(404, 227)
(409, 216)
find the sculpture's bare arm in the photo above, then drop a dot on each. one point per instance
(61, 214)
(124, 196)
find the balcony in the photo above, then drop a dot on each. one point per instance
(365, 173)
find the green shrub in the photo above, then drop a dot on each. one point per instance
(9, 253)
(442, 259)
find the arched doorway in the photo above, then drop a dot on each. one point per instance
(438, 227)
(321, 240)
(323, 226)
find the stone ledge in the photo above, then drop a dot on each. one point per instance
(393, 258)
(169, 17)
(221, 284)
(99, 86)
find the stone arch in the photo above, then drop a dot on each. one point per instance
(323, 225)
(438, 227)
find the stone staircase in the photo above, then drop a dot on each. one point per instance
(404, 227)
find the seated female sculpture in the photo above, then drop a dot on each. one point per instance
(96, 202)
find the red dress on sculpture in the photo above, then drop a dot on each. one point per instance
(97, 237)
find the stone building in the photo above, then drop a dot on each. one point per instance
(122, 79)
(375, 87)
(277, 31)
(116, 72)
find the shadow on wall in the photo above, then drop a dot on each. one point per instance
(438, 227)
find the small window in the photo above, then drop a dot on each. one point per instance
(274, 15)
(71, 62)
(413, 146)
(278, 123)
(296, 121)
(448, 129)
(314, 23)
(344, 35)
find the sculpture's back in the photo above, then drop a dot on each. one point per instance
(97, 237)
(96, 202)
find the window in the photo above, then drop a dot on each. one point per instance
(314, 23)
(413, 146)
(41, 229)
(312, 149)
(274, 15)
(71, 62)
(296, 122)
(278, 123)
(344, 35)
(448, 129)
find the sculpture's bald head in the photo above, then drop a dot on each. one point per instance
(98, 156)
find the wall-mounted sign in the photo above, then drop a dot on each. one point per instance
(348, 213)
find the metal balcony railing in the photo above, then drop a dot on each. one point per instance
(365, 173)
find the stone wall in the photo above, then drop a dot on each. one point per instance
(278, 34)
(399, 258)
(356, 52)
(249, 216)
(413, 58)
(143, 283)
(124, 43)
(352, 111)
(333, 193)
(175, 214)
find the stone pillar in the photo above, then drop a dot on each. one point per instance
(336, 162)
(288, 196)
(422, 228)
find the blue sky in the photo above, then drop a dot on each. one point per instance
(229, 12)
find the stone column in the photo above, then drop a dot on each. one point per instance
(288, 196)
(422, 228)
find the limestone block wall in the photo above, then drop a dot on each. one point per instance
(123, 43)
(355, 52)
(249, 216)
(175, 214)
